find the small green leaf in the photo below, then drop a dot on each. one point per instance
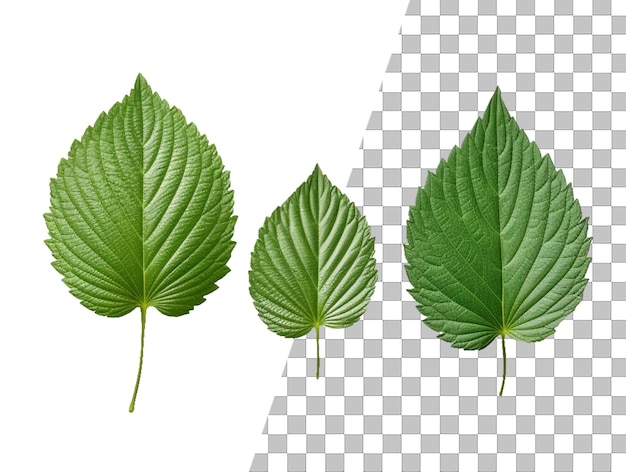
(313, 264)
(141, 213)
(497, 245)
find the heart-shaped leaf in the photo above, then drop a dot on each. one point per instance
(141, 213)
(313, 264)
(497, 245)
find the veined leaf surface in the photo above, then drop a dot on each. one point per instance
(313, 264)
(141, 213)
(497, 245)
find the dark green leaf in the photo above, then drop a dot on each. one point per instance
(497, 245)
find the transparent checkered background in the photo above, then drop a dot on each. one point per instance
(392, 396)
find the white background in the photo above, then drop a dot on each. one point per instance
(278, 86)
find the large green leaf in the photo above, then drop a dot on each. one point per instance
(141, 213)
(313, 264)
(497, 245)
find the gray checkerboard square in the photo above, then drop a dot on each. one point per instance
(392, 396)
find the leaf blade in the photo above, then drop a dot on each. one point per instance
(141, 211)
(147, 198)
(313, 263)
(496, 241)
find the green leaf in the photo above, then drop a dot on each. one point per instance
(141, 213)
(313, 264)
(497, 245)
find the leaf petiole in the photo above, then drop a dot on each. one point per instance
(143, 332)
(504, 365)
(317, 342)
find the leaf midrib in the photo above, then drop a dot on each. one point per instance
(503, 330)
(319, 182)
(495, 114)
(144, 303)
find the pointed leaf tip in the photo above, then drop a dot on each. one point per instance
(317, 170)
(141, 82)
(496, 103)
(497, 96)
(317, 175)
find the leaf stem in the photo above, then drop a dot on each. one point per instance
(317, 342)
(504, 365)
(143, 332)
